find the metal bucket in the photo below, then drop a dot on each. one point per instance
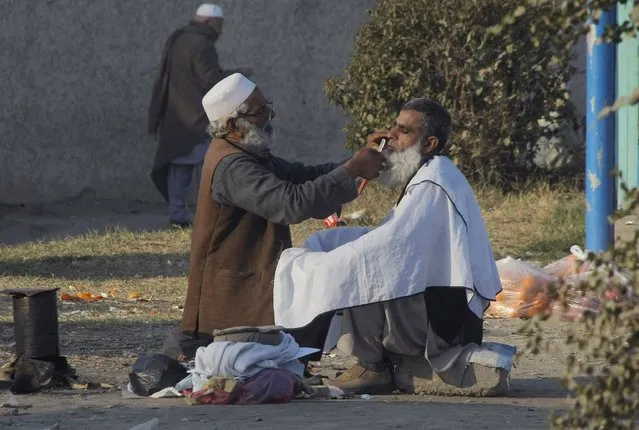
(35, 319)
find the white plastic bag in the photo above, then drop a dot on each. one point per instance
(573, 264)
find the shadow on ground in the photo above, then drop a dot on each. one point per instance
(98, 267)
(37, 222)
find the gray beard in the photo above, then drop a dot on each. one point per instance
(401, 166)
(256, 139)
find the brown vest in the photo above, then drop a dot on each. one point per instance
(233, 258)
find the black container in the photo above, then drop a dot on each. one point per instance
(35, 319)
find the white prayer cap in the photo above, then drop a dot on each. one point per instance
(210, 10)
(226, 96)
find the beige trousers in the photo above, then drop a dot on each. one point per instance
(399, 326)
(402, 326)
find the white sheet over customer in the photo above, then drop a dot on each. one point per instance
(427, 240)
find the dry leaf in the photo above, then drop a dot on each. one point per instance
(84, 296)
(68, 297)
(78, 386)
(135, 295)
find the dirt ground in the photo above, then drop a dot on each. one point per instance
(103, 351)
(106, 356)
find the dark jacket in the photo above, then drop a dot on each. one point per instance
(234, 250)
(188, 70)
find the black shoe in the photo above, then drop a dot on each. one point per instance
(181, 224)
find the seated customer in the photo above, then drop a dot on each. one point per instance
(413, 288)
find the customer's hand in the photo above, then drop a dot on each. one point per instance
(367, 163)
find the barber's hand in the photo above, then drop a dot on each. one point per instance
(367, 163)
(246, 71)
(375, 139)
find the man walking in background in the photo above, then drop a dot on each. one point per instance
(188, 69)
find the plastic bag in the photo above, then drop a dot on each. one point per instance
(524, 290)
(580, 304)
(152, 373)
(268, 386)
(571, 265)
(576, 308)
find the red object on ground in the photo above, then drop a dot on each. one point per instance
(332, 221)
(268, 386)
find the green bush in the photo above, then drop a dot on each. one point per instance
(504, 90)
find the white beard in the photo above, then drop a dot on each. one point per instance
(256, 139)
(401, 166)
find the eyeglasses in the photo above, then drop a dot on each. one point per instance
(265, 111)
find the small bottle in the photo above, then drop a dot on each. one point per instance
(333, 221)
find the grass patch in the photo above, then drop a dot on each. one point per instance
(539, 223)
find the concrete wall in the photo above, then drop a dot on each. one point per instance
(76, 76)
(556, 152)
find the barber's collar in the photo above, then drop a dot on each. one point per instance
(424, 162)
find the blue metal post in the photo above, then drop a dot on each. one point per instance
(600, 136)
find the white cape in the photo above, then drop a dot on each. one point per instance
(434, 237)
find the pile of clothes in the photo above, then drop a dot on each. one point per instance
(244, 365)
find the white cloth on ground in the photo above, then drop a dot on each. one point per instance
(435, 236)
(493, 354)
(167, 393)
(450, 363)
(245, 359)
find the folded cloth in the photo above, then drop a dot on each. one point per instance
(245, 359)
(496, 355)
(266, 335)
